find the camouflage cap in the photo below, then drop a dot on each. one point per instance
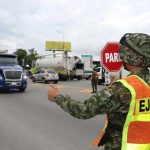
(135, 49)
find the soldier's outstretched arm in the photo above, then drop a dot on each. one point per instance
(103, 102)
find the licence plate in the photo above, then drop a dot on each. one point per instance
(13, 83)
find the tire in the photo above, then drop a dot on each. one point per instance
(78, 78)
(55, 81)
(22, 90)
(43, 80)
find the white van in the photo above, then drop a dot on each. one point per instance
(101, 73)
(105, 77)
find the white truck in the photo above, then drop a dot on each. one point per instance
(106, 77)
(67, 67)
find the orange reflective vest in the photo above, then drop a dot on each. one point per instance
(136, 130)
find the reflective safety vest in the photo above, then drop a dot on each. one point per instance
(136, 130)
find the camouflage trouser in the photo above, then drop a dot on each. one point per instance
(110, 146)
(114, 142)
(94, 86)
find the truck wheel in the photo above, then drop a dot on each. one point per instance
(55, 81)
(43, 81)
(22, 90)
(79, 78)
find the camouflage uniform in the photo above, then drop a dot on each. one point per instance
(113, 101)
(94, 81)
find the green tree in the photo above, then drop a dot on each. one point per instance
(32, 53)
(21, 56)
(26, 57)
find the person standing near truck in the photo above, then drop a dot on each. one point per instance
(126, 102)
(94, 81)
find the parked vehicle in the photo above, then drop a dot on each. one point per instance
(67, 67)
(45, 76)
(87, 74)
(12, 76)
(101, 74)
(106, 77)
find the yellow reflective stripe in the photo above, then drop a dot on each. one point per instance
(142, 117)
(130, 113)
(142, 81)
(138, 146)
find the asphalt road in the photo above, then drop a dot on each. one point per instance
(28, 121)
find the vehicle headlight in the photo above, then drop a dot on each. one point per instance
(25, 77)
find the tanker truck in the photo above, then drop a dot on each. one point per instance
(67, 67)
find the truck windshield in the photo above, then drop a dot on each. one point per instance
(79, 66)
(8, 59)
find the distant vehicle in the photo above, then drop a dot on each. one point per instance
(101, 74)
(87, 74)
(67, 67)
(12, 76)
(106, 77)
(45, 76)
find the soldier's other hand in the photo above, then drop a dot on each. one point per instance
(53, 92)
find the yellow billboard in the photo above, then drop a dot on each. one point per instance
(58, 46)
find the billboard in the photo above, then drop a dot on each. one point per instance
(58, 46)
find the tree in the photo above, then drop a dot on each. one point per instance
(31, 56)
(21, 56)
(26, 57)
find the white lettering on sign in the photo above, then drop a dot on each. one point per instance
(112, 57)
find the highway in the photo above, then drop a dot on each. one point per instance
(28, 121)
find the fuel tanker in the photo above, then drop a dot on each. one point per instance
(67, 66)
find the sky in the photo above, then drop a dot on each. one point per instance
(87, 24)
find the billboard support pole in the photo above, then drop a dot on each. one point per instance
(65, 52)
(54, 55)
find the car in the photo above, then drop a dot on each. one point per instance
(45, 76)
(87, 74)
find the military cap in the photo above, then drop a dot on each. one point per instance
(135, 49)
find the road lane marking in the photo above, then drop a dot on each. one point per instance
(82, 90)
(85, 90)
(39, 84)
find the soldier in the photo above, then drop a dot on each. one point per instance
(94, 81)
(126, 102)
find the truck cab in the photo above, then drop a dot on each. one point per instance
(12, 76)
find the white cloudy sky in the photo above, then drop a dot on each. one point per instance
(87, 24)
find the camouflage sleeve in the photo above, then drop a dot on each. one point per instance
(103, 102)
